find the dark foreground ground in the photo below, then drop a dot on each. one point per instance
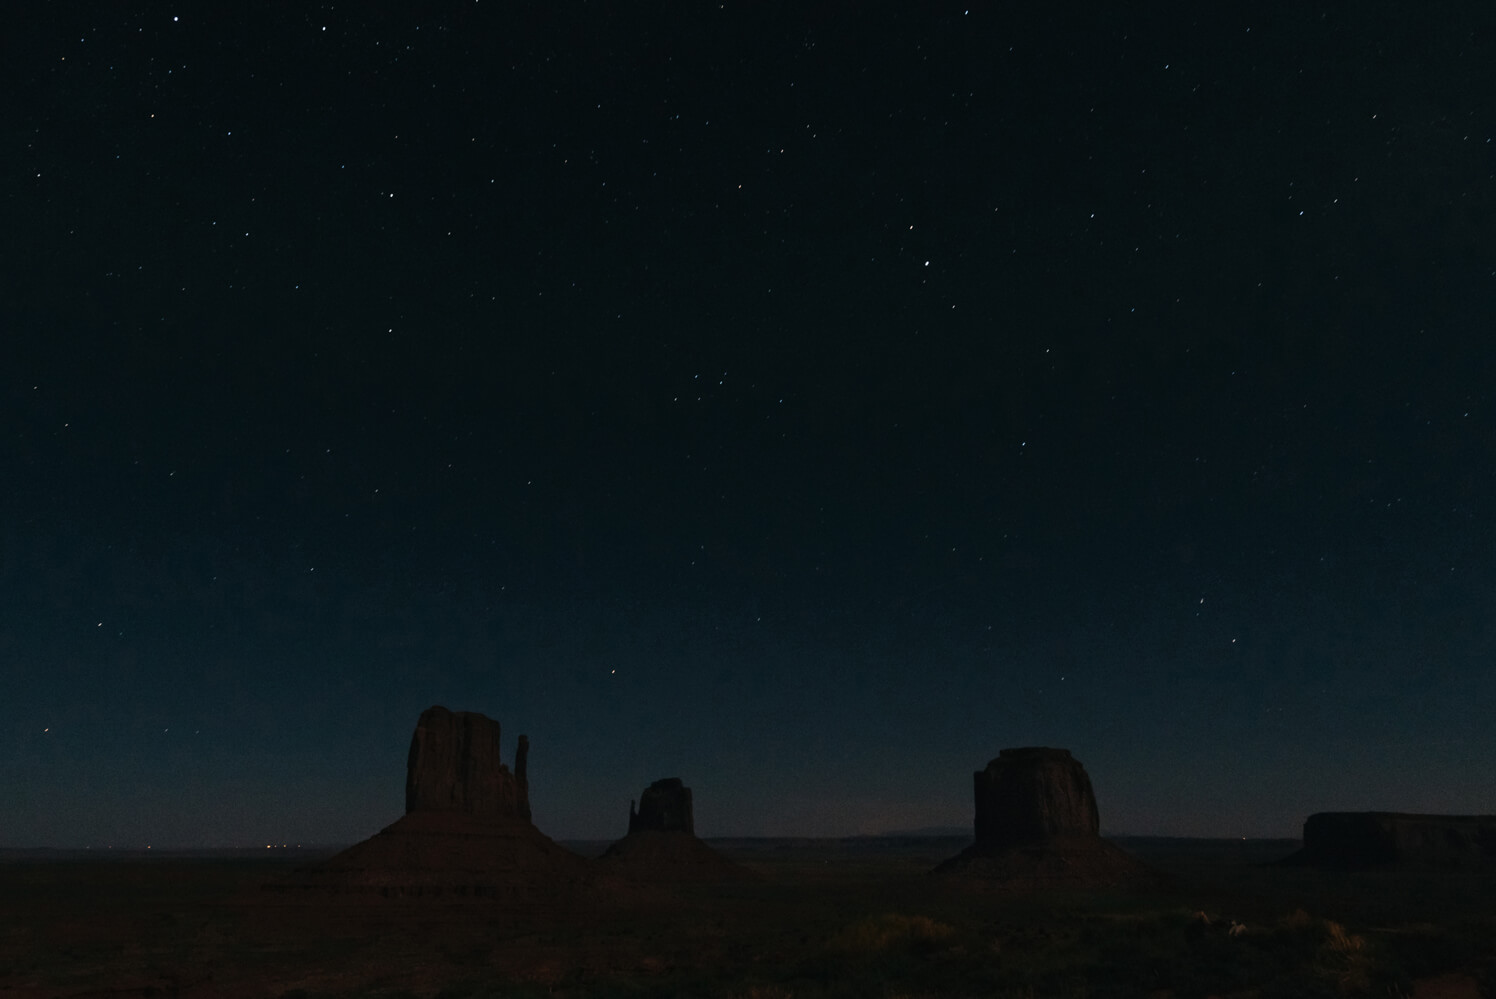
(825, 918)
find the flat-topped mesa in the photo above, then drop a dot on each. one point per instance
(1032, 794)
(1398, 839)
(665, 806)
(454, 766)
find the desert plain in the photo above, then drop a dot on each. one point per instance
(818, 918)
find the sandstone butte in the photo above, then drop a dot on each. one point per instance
(1037, 825)
(466, 833)
(661, 844)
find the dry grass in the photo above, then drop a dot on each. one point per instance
(892, 932)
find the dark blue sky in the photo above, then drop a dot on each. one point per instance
(805, 400)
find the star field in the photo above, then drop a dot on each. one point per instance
(803, 400)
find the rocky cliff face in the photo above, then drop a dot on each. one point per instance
(1398, 839)
(1032, 794)
(454, 766)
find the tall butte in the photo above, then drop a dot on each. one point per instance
(455, 766)
(467, 830)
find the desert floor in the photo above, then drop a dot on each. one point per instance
(823, 918)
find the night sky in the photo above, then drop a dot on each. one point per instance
(807, 400)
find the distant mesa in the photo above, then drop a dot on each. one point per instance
(466, 832)
(1037, 824)
(1360, 840)
(661, 844)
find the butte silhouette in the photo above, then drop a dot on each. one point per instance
(1037, 826)
(466, 831)
(661, 845)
